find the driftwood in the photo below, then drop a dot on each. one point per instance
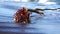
(39, 12)
(44, 9)
(36, 11)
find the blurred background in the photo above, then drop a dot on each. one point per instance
(49, 23)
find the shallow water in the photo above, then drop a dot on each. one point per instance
(49, 23)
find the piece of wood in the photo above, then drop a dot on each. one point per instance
(36, 11)
(45, 9)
